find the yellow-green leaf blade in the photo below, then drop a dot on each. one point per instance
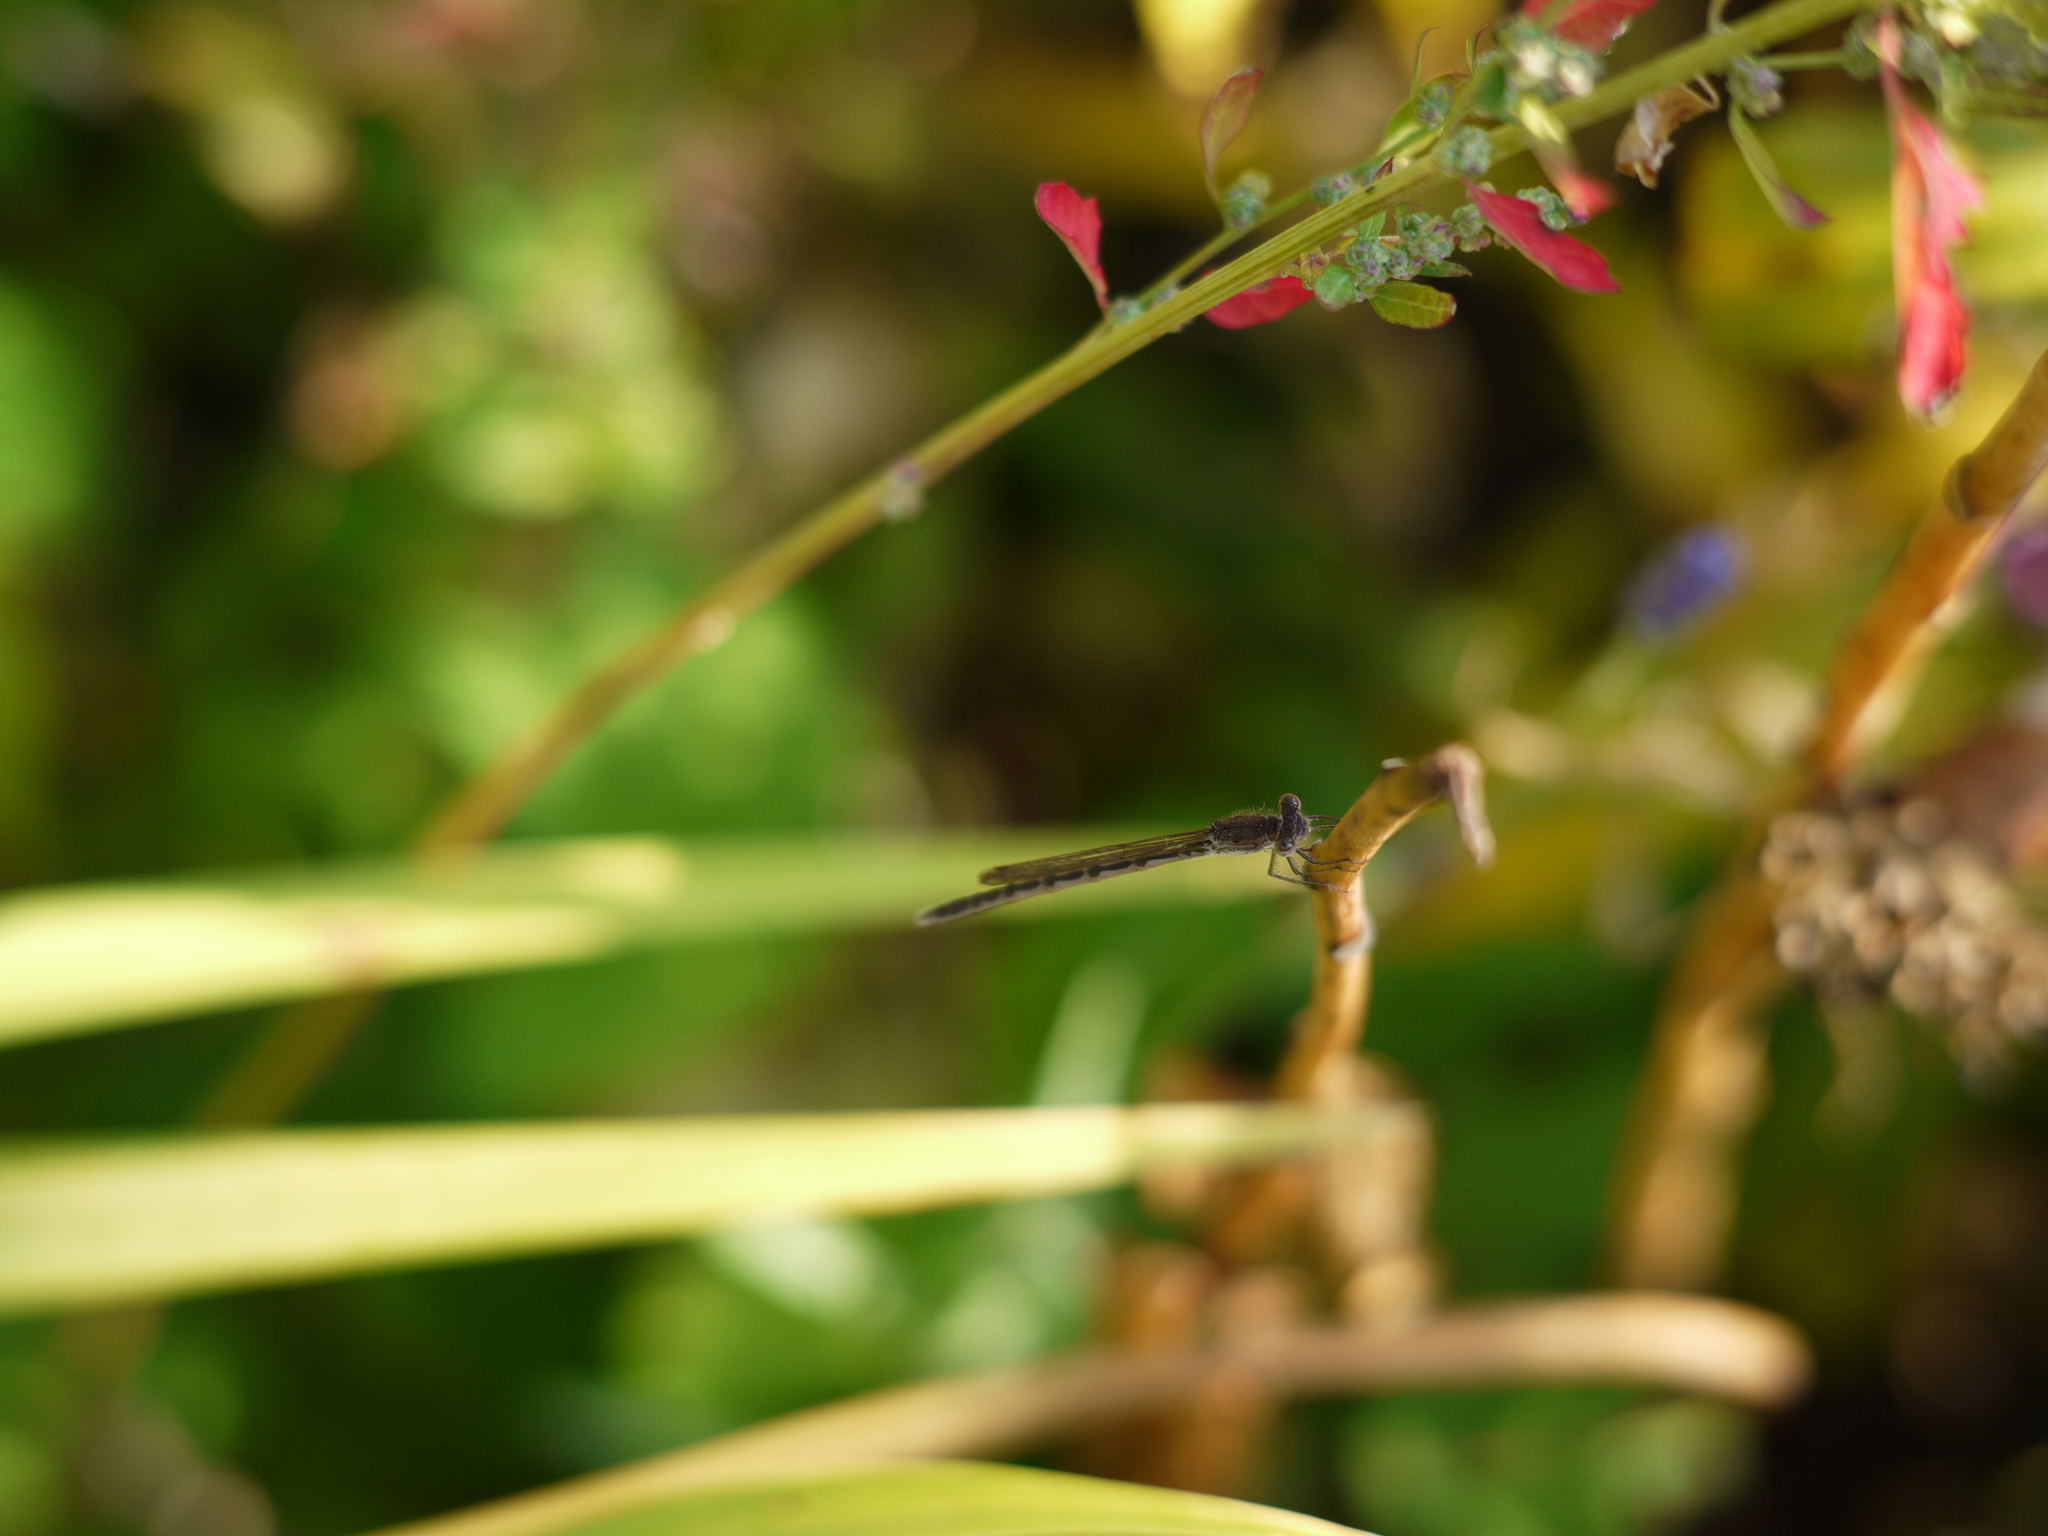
(918, 1499)
(78, 959)
(105, 1222)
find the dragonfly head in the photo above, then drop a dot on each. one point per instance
(1294, 826)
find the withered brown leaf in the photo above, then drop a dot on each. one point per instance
(1646, 141)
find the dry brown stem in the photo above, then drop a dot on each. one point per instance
(1676, 1188)
(1263, 1217)
(1331, 1025)
(1880, 659)
(1682, 1343)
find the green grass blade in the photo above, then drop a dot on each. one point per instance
(84, 1224)
(84, 958)
(915, 1499)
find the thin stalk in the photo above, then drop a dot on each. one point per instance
(1319, 1067)
(283, 1073)
(1833, 58)
(1704, 1086)
(1686, 1344)
(482, 808)
(1330, 1027)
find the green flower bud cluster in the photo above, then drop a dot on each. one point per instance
(1427, 238)
(1755, 87)
(1419, 243)
(1244, 204)
(1976, 56)
(1550, 206)
(1433, 103)
(1538, 61)
(1468, 227)
(1465, 154)
(1332, 189)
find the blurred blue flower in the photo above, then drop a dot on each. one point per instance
(1683, 582)
(2026, 575)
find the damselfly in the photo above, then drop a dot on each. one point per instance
(1286, 835)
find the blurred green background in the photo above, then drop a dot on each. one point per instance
(369, 372)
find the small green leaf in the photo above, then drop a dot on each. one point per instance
(1224, 119)
(1488, 93)
(1446, 269)
(1370, 229)
(1790, 206)
(1335, 287)
(1403, 133)
(1414, 305)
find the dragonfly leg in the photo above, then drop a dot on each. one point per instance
(1297, 871)
(1349, 866)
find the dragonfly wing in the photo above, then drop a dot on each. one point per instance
(1176, 845)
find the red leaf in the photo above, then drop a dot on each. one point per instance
(1930, 193)
(1256, 306)
(1592, 24)
(1933, 327)
(1078, 223)
(1572, 262)
(1585, 195)
(1224, 118)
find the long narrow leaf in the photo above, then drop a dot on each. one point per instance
(83, 958)
(918, 1499)
(1789, 205)
(99, 1222)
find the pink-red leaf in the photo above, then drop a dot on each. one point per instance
(1930, 194)
(1078, 222)
(1224, 118)
(1592, 24)
(1585, 195)
(1572, 262)
(1256, 306)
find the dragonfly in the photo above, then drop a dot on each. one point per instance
(1287, 836)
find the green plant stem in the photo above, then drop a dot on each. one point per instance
(482, 809)
(1217, 244)
(1833, 58)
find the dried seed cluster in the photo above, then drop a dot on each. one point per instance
(1878, 899)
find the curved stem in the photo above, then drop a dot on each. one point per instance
(1321, 1061)
(1674, 1197)
(1330, 1026)
(1682, 1343)
(281, 1073)
(480, 810)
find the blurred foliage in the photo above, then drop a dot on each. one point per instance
(370, 372)
(1541, 1462)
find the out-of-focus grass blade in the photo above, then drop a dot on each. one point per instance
(86, 1223)
(917, 1499)
(81, 958)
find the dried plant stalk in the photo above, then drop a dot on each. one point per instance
(1675, 1194)
(1330, 1027)
(1880, 659)
(1682, 1343)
